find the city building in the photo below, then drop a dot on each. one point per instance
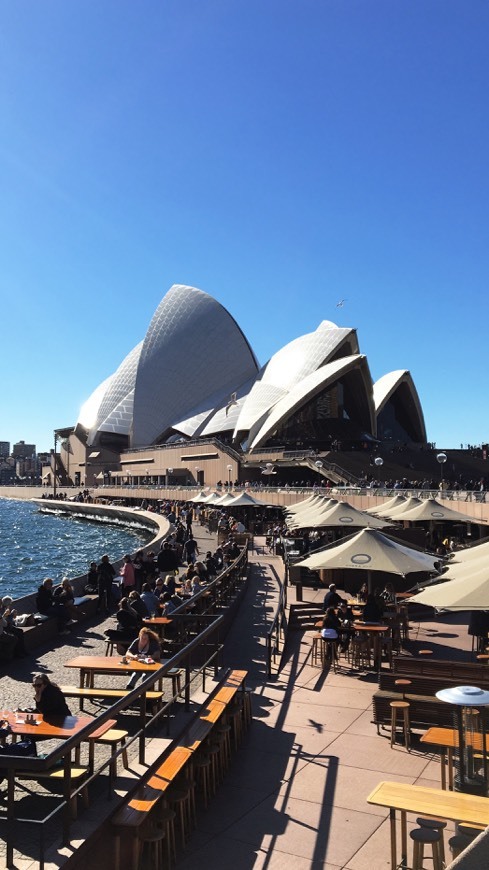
(190, 403)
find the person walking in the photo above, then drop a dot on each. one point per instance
(105, 577)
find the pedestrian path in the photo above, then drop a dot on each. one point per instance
(295, 795)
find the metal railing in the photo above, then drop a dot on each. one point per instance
(207, 628)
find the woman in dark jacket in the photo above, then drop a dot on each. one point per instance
(48, 697)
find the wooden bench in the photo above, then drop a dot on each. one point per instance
(151, 790)
(424, 711)
(465, 672)
(56, 779)
(420, 684)
(105, 694)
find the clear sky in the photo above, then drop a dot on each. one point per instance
(281, 155)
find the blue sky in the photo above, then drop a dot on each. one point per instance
(279, 154)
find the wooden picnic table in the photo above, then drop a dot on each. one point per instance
(447, 740)
(45, 729)
(452, 806)
(91, 665)
(157, 623)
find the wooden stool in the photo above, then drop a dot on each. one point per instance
(204, 772)
(434, 825)
(330, 652)
(223, 736)
(422, 837)
(402, 707)
(425, 652)
(247, 707)
(176, 681)
(404, 622)
(458, 843)
(166, 819)
(359, 653)
(235, 719)
(181, 799)
(111, 738)
(402, 685)
(109, 646)
(153, 838)
(317, 649)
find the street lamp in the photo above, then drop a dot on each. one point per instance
(169, 472)
(319, 465)
(378, 461)
(197, 469)
(230, 468)
(441, 458)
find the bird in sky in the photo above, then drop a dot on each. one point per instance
(340, 303)
(232, 401)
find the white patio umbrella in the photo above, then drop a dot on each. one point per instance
(223, 500)
(392, 503)
(432, 510)
(469, 591)
(200, 497)
(212, 498)
(471, 554)
(397, 512)
(341, 515)
(370, 550)
(305, 505)
(310, 517)
(244, 499)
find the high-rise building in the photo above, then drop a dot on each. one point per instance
(4, 449)
(21, 450)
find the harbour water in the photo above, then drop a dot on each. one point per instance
(35, 545)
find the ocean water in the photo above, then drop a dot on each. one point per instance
(35, 545)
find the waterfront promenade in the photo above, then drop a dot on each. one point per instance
(295, 794)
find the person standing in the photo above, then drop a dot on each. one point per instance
(128, 575)
(105, 577)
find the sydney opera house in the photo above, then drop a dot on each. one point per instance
(191, 403)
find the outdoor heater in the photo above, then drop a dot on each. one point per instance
(470, 709)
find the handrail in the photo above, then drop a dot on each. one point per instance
(226, 584)
(277, 633)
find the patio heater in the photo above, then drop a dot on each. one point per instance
(470, 711)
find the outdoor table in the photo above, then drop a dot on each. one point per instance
(43, 729)
(452, 806)
(447, 740)
(157, 623)
(375, 631)
(91, 665)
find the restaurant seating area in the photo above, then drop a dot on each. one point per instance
(314, 779)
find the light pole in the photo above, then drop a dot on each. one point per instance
(319, 465)
(54, 464)
(441, 458)
(230, 468)
(169, 472)
(197, 469)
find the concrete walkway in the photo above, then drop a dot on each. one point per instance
(295, 795)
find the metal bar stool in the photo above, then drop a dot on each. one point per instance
(402, 707)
